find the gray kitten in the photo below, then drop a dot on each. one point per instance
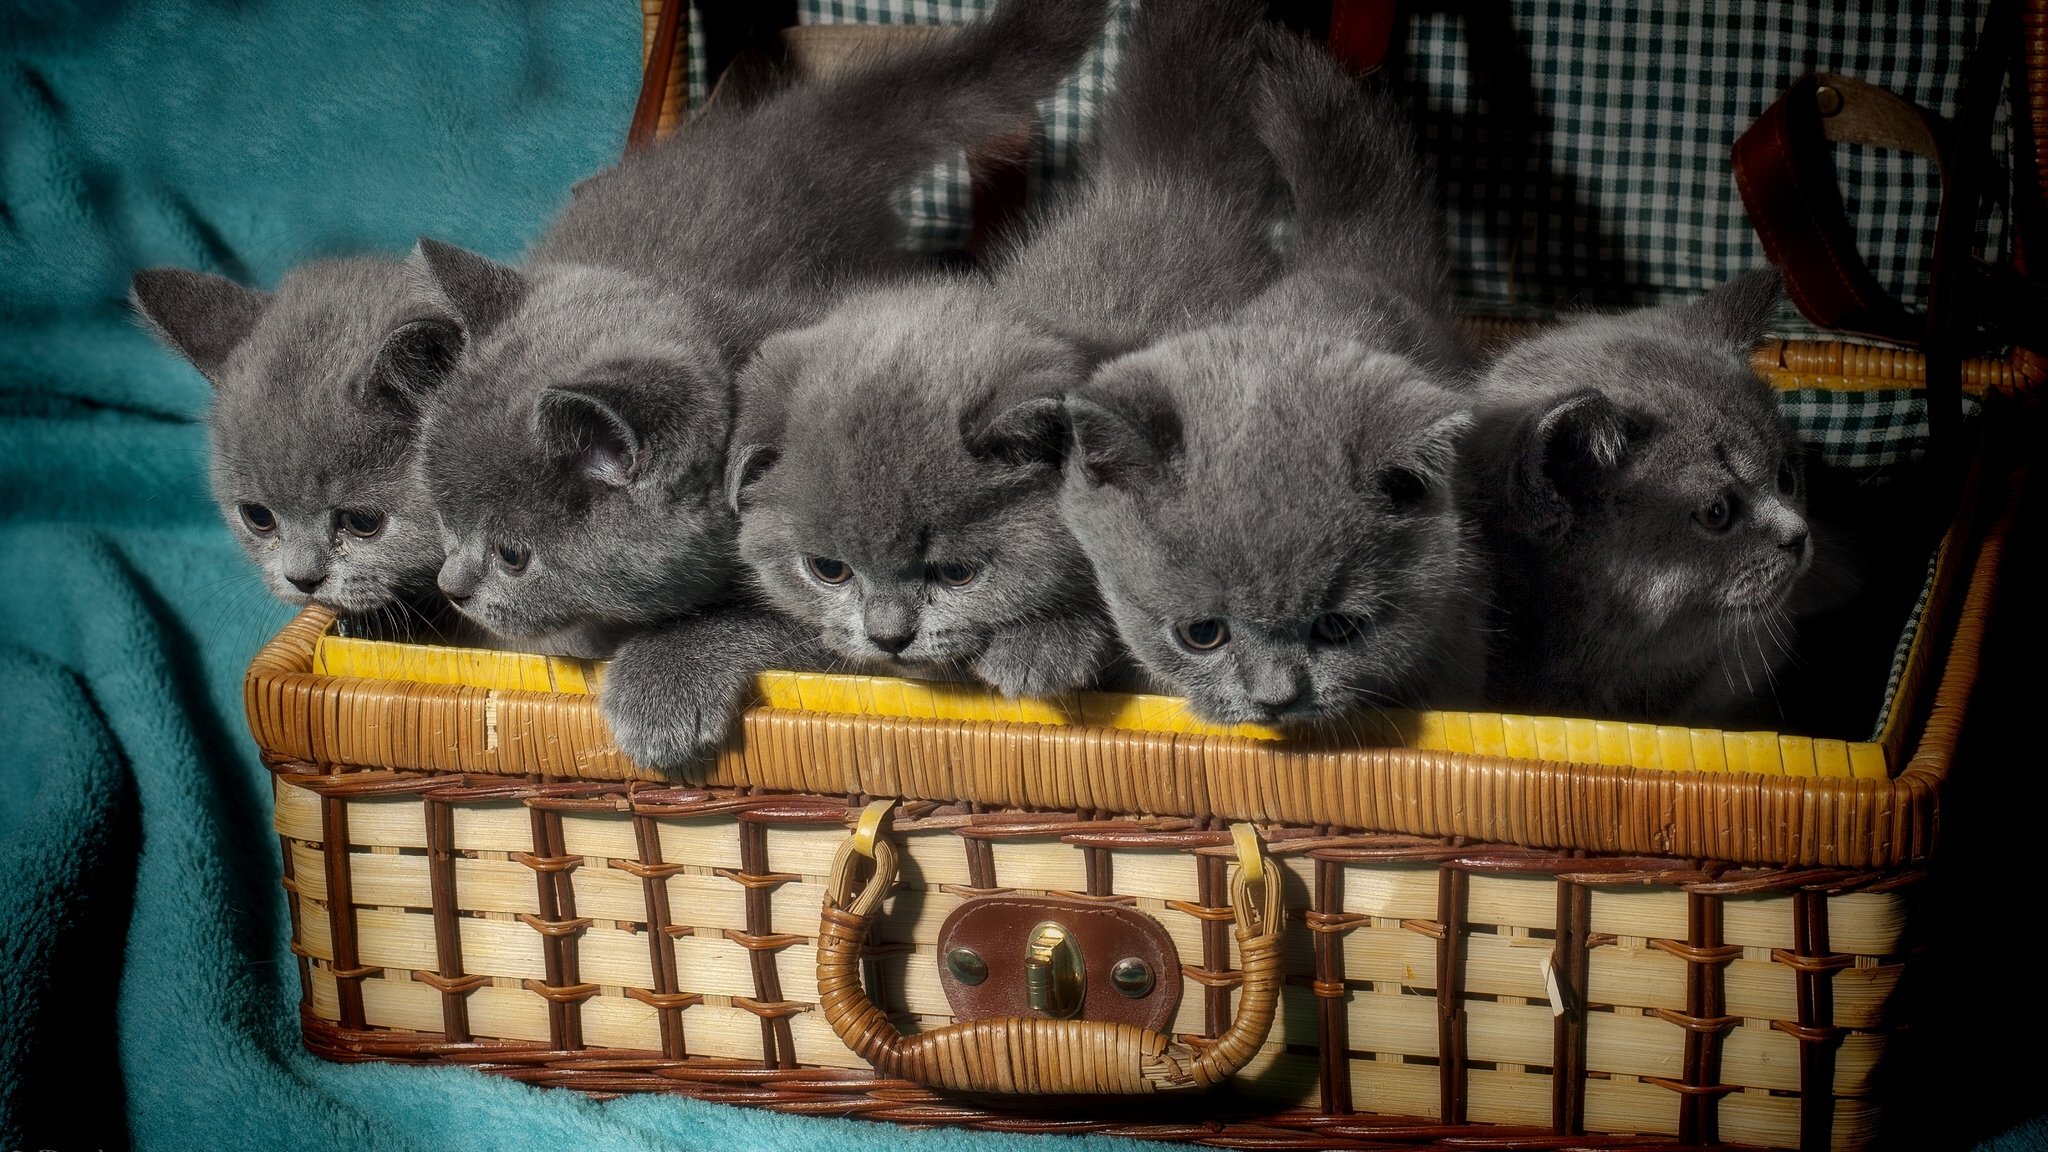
(577, 456)
(317, 390)
(1644, 502)
(899, 463)
(1269, 502)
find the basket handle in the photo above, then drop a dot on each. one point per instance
(1787, 178)
(1786, 174)
(1017, 1055)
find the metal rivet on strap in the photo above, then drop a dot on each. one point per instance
(967, 966)
(1132, 977)
(1828, 100)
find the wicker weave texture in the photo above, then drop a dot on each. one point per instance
(557, 915)
(615, 934)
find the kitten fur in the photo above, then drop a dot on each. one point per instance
(1268, 502)
(920, 462)
(1599, 452)
(317, 392)
(577, 457)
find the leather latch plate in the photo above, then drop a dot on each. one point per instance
(1130, 971)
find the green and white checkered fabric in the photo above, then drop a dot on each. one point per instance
(1626, 197)
(1904, 651)
(1861, 430)
(1629, 197)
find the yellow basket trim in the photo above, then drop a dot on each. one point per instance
(1831, 758)
(1796, 753)
(1650, 747)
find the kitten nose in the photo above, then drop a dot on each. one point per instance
(306, 584)
(1796, 543)
(456, 582)
(1275, 705)
(890, 624)
(1278, 691)
(890, 642)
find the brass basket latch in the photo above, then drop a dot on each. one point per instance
(1054, 974)
(1001, 1039)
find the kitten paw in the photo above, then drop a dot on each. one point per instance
(1043, 658)
(666, 710)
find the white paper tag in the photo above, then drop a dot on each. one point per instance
(1550, 984)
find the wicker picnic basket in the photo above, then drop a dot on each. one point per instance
(920, 903)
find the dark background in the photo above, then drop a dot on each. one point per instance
(1976, 1064)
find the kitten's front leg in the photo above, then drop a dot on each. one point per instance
(671, 694)
(1043, 657)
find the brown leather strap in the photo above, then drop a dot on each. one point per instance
(661, 63)
(1361, 31)
(1957, 286)
(1786, 173)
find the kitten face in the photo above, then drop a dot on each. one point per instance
(318, 389)
(910, 509)
(1648, 497)
(1681, 492)
(1715, 515)
(575, 459)
(1270, 516)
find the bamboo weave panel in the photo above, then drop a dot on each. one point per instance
(740, 921)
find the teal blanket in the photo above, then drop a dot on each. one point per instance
(143, 932)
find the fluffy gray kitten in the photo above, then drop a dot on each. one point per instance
(318, 388)
(1644, 502)
(898, 464)
(577, 456)
(1269, 502)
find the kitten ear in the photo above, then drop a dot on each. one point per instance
(480, 292)
(1576, 443)
(1738, 313)
(748, 463)
(1033, 432)
(1425, 465)
(1125, 437)
(198, 315)
(764, 388)
(587, 428)
(415, 359)
(756, 441)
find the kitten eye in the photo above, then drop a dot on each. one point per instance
(1335, 628)
(258, 518)
(1718, 515)
(1204, 635)
(1404, 488)
(1788, 479)
(514, 557)
(830, 571)
(955, 575)
(361, 524)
